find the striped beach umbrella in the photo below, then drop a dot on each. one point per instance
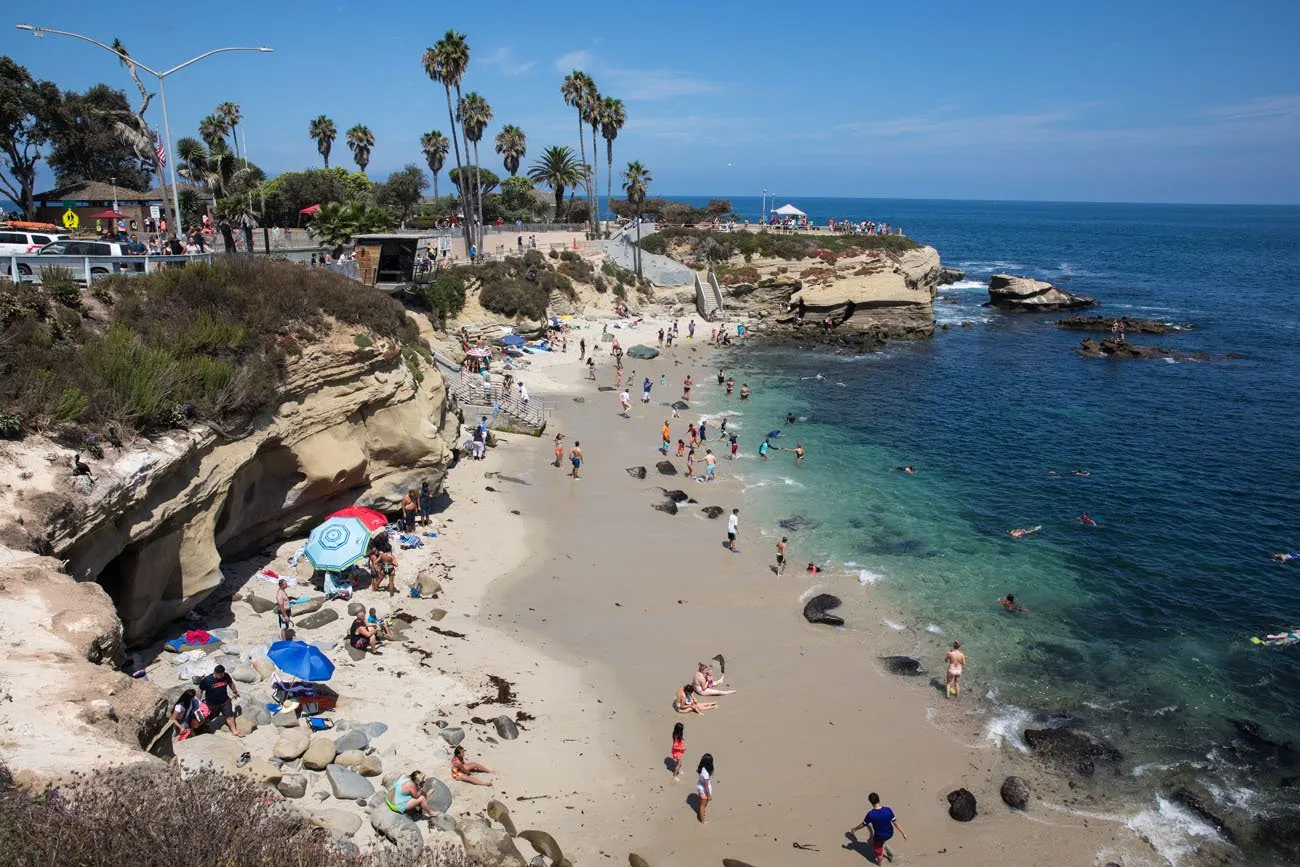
(338, 543)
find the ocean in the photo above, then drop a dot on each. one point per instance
(1137, 629)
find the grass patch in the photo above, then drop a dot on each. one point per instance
(719, 246)
(362, 341)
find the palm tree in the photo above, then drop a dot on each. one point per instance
(475, 115)
(322, 129)
(636, 181)
(574, 90)
(558, 169)
(591, 114)
(434, 144)
(360, 141)
(192, 159)
(446, 63)
(612, 118)
(212, 129)
(229, 113)
(512, 144)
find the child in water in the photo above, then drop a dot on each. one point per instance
(679, 750)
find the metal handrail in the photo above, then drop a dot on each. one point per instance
(87, 266)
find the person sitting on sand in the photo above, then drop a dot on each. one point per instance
(407, 795)
(362, 636)
(685, 701)
(385, 632)
(1009, 603)
(1020, 532)
(1285, 558)
(463, 771)
(187, 716)
(705, 684)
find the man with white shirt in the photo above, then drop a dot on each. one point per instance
(733, 527)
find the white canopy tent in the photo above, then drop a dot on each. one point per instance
(788, 210)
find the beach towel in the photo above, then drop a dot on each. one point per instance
(182, 644)
(337, 587)
(270, 576)
(409, 541)
(199, 636)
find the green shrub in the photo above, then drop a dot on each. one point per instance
(577, 268)
(362, 341)
(656, 243)
(11, 425)
(569, 256)
(556, 282)
(61, 287)
(554, 254)
(534, 258)
(444, 297)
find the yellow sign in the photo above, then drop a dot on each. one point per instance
(70, 219)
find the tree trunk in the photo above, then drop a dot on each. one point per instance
(595, 186)
(435, 185)
(609, 171)
(248, 240)
(582, 146)
(470, 217)
(478, 194)
(228, 237)
(326, 156)
(559, 202)
(638, 246)
(460, 170)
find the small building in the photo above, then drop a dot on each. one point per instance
(86, 199)
(390, 258)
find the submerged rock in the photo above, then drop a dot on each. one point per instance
(681, 404)
(713, 511)
(1026, 294)
(1015, 793)
(903, 665)
(667, 506)
(817, 608)
(1105, 323)
(1070, 749)
(677, 496)
(1195, 804)
(961, 805)
(666, 468)
(798, 522)
(636, 472)
(1124, 349)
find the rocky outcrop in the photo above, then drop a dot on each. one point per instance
(1107, 323)
(1070, 749)
(1015, 793)
(1026, 294)
(1116, 348)
(154, 520)
(818, 609)
(948, 276)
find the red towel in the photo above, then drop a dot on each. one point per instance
(197, 636)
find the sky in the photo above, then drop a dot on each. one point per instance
(1147, 101)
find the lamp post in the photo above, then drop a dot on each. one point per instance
(162, 93)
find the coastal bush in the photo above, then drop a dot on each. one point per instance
(552, 281)
(444, 297)
(61, 287)
(731, 275)
(701, 243)
(577, 268)
(656, 243)
(149, 817)
(202, 342)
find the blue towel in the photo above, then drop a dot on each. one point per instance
(408, 541)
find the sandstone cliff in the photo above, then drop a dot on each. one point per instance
(1027, 294)
(154, 519)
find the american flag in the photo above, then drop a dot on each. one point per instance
(160, 150)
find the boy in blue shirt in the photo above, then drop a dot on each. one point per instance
(882, 822)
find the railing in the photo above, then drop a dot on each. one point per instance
(91, 268)
(716, 290)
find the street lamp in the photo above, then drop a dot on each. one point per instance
(162, 93)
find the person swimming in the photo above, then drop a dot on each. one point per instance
(1285, 558)
(1086, 520)
(909, 469)
(1009, 603)
(790, 418)
(1021, 533)
(813, 569)
(1082, 473)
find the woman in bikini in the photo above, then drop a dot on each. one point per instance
(463, 771)
(956, 663)
(685, 701)
(705, 684)
(559, 449)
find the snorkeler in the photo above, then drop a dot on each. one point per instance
(1020, 533)
(1086, 520)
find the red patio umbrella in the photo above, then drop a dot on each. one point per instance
(108, 214)
(372, 519)
(310, 209)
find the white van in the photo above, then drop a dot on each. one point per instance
(21, 242)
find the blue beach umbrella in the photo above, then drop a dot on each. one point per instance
(302, 660)
(512, 340)
(337, 544)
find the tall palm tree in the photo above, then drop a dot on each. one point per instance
(558, 169)
(192, 159)
(636, 182)
(435, 146)
(212, 129)
(575, 91)
(322, 129)
(612, 118)
(591, 114)
(360, 141)
(446, 63)
(475, 115)
(230, 114)
(512, 144)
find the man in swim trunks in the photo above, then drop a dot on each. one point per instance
(575, 458)
(283, 611)
(733, 527)
(780, 555)
(744, 391)
(686, 387)
(710, 465)
(956, 664)
(731, 383)
(883, 823)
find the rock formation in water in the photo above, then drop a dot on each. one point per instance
(1128, 324)
(1027, 294)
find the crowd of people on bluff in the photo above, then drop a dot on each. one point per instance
(153, 239)
(862, 227)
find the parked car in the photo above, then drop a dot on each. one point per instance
(79, 247)
(22, 242)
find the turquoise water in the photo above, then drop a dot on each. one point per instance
(1138, 628)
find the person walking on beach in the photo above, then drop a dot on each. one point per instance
(690, 330)
(956, 664)
(780, 555)
(704, 784)
(710, 465)
(283, 611)
(575, 458)
(667, 438)
(883, 823)
(582, 348)
(625, 400)
(686, 388)
(559, 449)
(646, 385)
(735, 445)
(733, 527)
(678, 751)
(591, 368)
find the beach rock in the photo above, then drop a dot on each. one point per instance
(429, 587)
(344, 823)
(453, 735)
(371, 730)
(1127, 350)
(903, 665)
(347, 784)
(498, 812)
(348, 759)
(285, 719)
(713, 511)
(667, 506)
(543, 844)
(438, 795)
(579, 400)
(324, 645)
(245, 726)
(356, 654)
(319, 754)
(298, 609)
(264, 668)
(677, 496)
(488, 845)
(642, 351)
(443, 822)
(666, 468)
(1195, 804)
(400, 828)
(264, 771)
(437, 614)
(506, 728)
(1280, 834)
(355, 608)
(259, 604)
(258, 714)
(948, 276)
(316, 619)
(817, 608)
(1026, 294)
(371, 766)
(681, 404)
(961, 805)
(635, 860)
(1070, 749)
(351, 740)
(1105, 323)
(246, 674)
(291, 744)
(798, 522)
(292, 786)
(1015, 793)
(636, 472)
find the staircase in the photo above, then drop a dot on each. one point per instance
(708, 297)
(505, 411)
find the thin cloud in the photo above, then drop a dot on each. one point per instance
(505, 61)
(1287, 105)
(639, 85)
(572, 60)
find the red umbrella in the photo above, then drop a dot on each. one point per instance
(372, 519)
(310, 209)
(108, 214)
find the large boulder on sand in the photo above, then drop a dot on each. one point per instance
(643, 352)
(291, 744)
(1025, 293)
(347, 784)
(1015, 793)
(961, 805)
(319, 754)
(817, 610)
(400, 828)
(488, 845)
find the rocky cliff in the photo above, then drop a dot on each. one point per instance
(1027, 294)
(153, 520)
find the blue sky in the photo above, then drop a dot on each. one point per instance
(1184, 101)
